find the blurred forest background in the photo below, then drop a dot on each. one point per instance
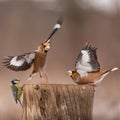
(25, 24)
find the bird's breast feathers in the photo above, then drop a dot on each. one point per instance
(19, 90)
(40, 61)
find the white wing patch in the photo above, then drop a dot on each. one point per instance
(20, 62)
(114, 69)
(87, 60)
(57, 26)
(29, 57)
(85, 56)
(83, 64)
(16, 62)
(86, 67)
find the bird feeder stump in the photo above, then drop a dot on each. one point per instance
(57, 102)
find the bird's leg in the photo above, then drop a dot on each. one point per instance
(40, 74)
(44, 77)
(31, 75)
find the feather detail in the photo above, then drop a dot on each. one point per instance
(19, 63)
(55, 28)
(87, 59)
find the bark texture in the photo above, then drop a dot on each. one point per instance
(58, 102)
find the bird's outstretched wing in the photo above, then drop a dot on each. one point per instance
(87, 59)
(55, 28)
(20, 62)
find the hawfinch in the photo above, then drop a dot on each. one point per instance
(36, 58)
(87, 68)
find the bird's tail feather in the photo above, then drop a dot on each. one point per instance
(55, 28)
(20, 103)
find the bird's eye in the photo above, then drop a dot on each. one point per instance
(44, 46)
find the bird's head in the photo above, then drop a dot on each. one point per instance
(73, 74)
(44, 47)
(15, 81)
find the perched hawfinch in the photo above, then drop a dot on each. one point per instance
(16, 90)
(36, 58)
(87, 68)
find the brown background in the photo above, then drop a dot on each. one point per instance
(24, 25)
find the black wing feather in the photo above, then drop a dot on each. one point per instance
(59, 22)
(92, 65)
(26, 60)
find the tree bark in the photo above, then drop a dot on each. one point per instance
(58, 102)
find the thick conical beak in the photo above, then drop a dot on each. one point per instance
(69, 73)
(47, 47)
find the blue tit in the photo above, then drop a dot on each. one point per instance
(16, 90)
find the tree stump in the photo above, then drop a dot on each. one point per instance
(58, 102)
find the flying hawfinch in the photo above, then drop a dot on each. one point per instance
(87, 68)
(16, 90)
(36, 58)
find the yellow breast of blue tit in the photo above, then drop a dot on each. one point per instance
(19, 90)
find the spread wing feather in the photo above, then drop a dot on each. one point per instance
(19, 63)
(87, 59)
(55, 28)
